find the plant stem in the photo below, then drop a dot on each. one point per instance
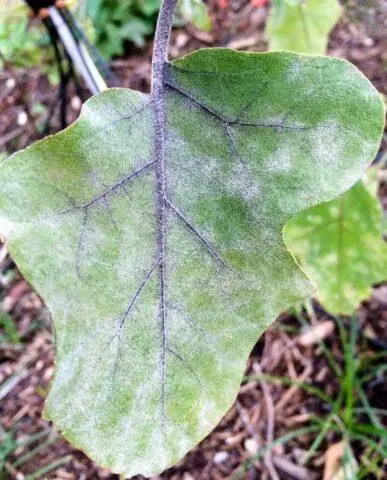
(160, 57)
(161, 42)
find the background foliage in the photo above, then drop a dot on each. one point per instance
(301, 26)
(340, 245)
(110, 24)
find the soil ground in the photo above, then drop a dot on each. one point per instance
(262, 409)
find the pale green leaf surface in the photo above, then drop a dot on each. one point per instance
(251, 140)
(339, 245)
(302, 25)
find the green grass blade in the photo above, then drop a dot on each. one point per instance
(27, 456)
(369, 410)
(48, 468)
(287, 381)
(350, 379)
(327, 425)
(381, 449)
(33, 438)
(335, 367)
(279, 441)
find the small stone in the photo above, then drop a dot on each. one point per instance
(188, 476)
(22, 119)
(368, 42)
(76, 103)
(220, 457)
(10, 83)
(181, 40)
(251, 446)
(380, 295)
(104, 473)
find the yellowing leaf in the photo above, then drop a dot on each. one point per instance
(340, 245)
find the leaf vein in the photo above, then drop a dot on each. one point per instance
(185, 364)
(278, 127)
(199, 235)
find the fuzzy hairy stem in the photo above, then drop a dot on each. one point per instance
(161, 41)
(160, 57)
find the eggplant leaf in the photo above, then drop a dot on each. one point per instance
(302, 25)
(340, 245)
(152, 336)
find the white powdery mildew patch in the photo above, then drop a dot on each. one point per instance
(299, 202)
(88, 361)
(181, 324)
(298, 284)
(52, 222)
(280, 161)
(349, 177)
(6, 227)
(330, 143)
(243, 183)
(280, 120)
(94, 180)
(133, 240)
(158, 455)
(188, 170)
(294, 72)
(327, 143)
(193, 166)
(350, 77)
(253, 280)
(99, 118)
(65, 373)
(159, 451)
(269, 311)
(133, 429)
(63, 376)
(94, 237)
(205, 414)
(18, 185)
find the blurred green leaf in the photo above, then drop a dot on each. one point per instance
(349, 466)
(19, 44)
(136, 30)
(302, 25)
(8, 325)
(24, 43)
(116, 22)
(195, 11)
(149, 7)
(7, 446)
(339, 244)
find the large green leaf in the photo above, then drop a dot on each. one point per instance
(152, 336)
(302, 25)
(340, 245)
